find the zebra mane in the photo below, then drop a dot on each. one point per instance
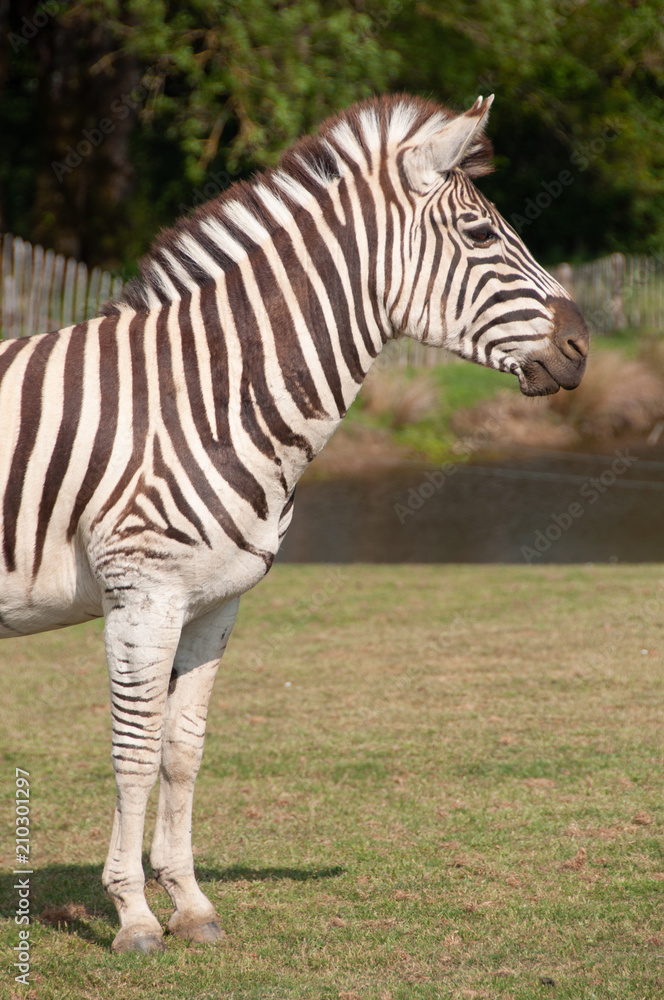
(225, 229)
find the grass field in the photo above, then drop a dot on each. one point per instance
(418, 782)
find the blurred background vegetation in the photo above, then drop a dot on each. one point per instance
(116, 117)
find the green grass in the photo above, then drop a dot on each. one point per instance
(419, 782)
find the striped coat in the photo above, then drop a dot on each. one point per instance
(150, 456)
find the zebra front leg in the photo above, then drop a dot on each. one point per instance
(201, 646)
(141, 639)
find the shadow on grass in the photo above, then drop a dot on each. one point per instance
(238, 873)
(67, 896)
(76, 892)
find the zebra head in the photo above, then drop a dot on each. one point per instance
(468, 283)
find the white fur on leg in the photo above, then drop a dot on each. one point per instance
(201, 646)
(141, 640)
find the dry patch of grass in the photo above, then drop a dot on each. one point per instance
(618, 395)
(439, 782)
(511, 420)
(398, 397)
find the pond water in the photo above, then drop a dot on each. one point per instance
(551, 508)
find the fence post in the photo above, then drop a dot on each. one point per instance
(565, 276)
(41, 291)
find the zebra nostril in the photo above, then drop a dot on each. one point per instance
(576, 347)
(570, 333)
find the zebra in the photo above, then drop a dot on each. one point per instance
(150, 455)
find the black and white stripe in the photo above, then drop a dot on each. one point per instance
(150, 455)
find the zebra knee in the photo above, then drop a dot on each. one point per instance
(180, 761)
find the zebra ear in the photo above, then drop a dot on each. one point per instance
(446, 149)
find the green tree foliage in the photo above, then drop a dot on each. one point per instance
(257, 73)
(579, 90)
(212, 90)
(117, 116)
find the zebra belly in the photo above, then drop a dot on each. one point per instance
(73, 576)
(63, 591)
(67, 593)
(28, 619)
(58, 598)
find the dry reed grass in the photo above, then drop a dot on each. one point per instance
(401, 399)
(618, 396)
(507, 419)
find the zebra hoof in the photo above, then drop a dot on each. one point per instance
(207, 932)
(135, 940)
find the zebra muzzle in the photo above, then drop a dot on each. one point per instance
(562, 363)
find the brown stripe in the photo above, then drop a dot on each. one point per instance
(425, 232)
(313, 314)
(507, 295)
(134, 508)
(295, 370)
(253, 368)
(499, 341)
(221, 452)
(490, 276)
(368, 209)
(178, 439)
(72, 392)
(351, 252)
(8, 352)
(163, 472)
(329, 274)
(216, 342)
(437, 256)
(109, 387)
(31, 410)
(139, 399)
(390, 235)
(518, 316)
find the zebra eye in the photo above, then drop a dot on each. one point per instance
(483, 234)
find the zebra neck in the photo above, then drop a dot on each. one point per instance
(298, 325)
(295, 386)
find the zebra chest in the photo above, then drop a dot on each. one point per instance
(205, 550)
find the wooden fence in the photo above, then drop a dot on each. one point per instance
(41, 290)
(613, 293)
(617, 292)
